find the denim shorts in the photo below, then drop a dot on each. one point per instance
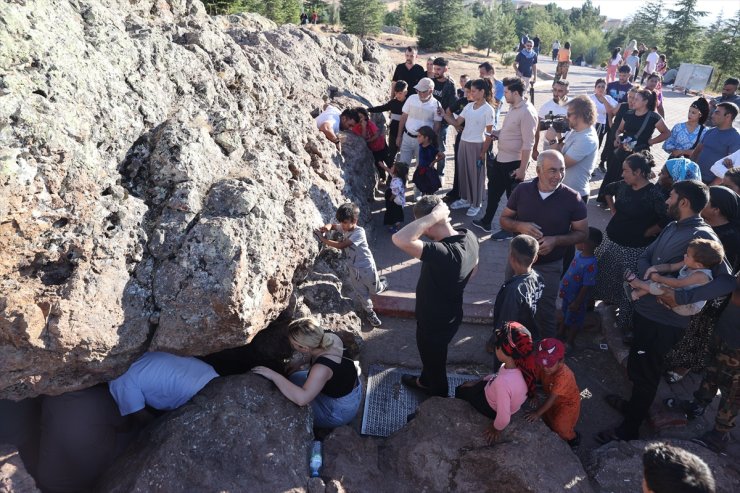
(331, 412)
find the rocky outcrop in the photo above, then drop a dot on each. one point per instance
(238, 434)
(443, 449)
(617, 466)
(13, 475)
(160, 175)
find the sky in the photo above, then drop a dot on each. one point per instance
(620, 9)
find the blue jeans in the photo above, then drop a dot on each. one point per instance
(331, 412)
(442, 146)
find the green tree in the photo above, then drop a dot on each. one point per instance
(683, 32)
(587, 17)
(402, 17)
(647, 25)
(484, 37)
(723, 49)
(477, 9)
(443, 24)
(280, 11)
(505, 31)
(362, 17)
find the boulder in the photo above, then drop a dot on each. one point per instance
(443, 449)
(13, 475)
(617, 466)
(238, 434)
(160, 177)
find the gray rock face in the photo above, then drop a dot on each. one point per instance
(160, 175)
(617, 466)
(13, 475)
(443, 449)
(238, 434)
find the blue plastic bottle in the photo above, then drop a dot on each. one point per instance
(315, 463)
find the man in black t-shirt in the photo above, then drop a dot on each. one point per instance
(444, 92)
(410, 72)
(449, 260)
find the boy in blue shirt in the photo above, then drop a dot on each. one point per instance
(577, 285)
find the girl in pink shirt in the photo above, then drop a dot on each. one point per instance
(500, 395)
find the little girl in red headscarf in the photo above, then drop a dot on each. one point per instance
(500, 395)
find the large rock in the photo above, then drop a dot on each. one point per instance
(443, 449)
(238, 434)
(160, 175)
(13, 475)
(617, 466)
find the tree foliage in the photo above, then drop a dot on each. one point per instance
(484, 37)
(683, 31)
(443, 25)
(362, 17)
(723, 48)
(280, 11)
(403, 17)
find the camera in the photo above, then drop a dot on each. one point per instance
(628, 143)
(558, 122)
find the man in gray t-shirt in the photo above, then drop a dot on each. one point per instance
(580, 146)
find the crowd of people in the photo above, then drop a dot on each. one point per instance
(667, 260)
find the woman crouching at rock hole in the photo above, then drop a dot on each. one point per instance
(331, 384)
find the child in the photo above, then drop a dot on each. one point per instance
(562, 408)
(395, 106)
(518, 296)
(367, 129)
(633, 62)
(695, 270)
(395, 196)
(426, 177)
(362, 272)
(500, 395)
(576, 287)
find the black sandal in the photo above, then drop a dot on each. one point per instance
(412, 381)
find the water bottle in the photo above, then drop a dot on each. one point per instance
(315, 463)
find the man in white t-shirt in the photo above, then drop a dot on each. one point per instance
(651, 63)
(419, 110)
(721, 166)
(162, 381)
(556, 106)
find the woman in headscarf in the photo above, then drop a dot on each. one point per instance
(677, 169)
(638, 214)
(686, 136)
(692, 351)
(501, 394)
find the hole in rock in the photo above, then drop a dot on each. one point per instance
(60, 223)
(40, 93)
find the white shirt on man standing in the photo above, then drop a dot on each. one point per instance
(419, 110)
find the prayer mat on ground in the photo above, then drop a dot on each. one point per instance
(388, 402)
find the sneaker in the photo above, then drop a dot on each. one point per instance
(459, 204)
(472, 211)
(372, 317)
(382, 285)
(693, 409)
(715, 440)
(501, 235)
(478, 223)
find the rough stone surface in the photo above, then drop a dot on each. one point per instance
(160, 175)
(443, 449)
(238, 434)
(617, 466)
(13, 475)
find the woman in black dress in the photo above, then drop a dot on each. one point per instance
(638, 213)
(692, 351)
(634, 133)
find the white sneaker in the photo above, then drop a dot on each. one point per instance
(460, 204)
(473, 211)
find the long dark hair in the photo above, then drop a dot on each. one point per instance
(429, 133)
(615, 53)
(642, 161)
(650, 97)
(486, 86)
